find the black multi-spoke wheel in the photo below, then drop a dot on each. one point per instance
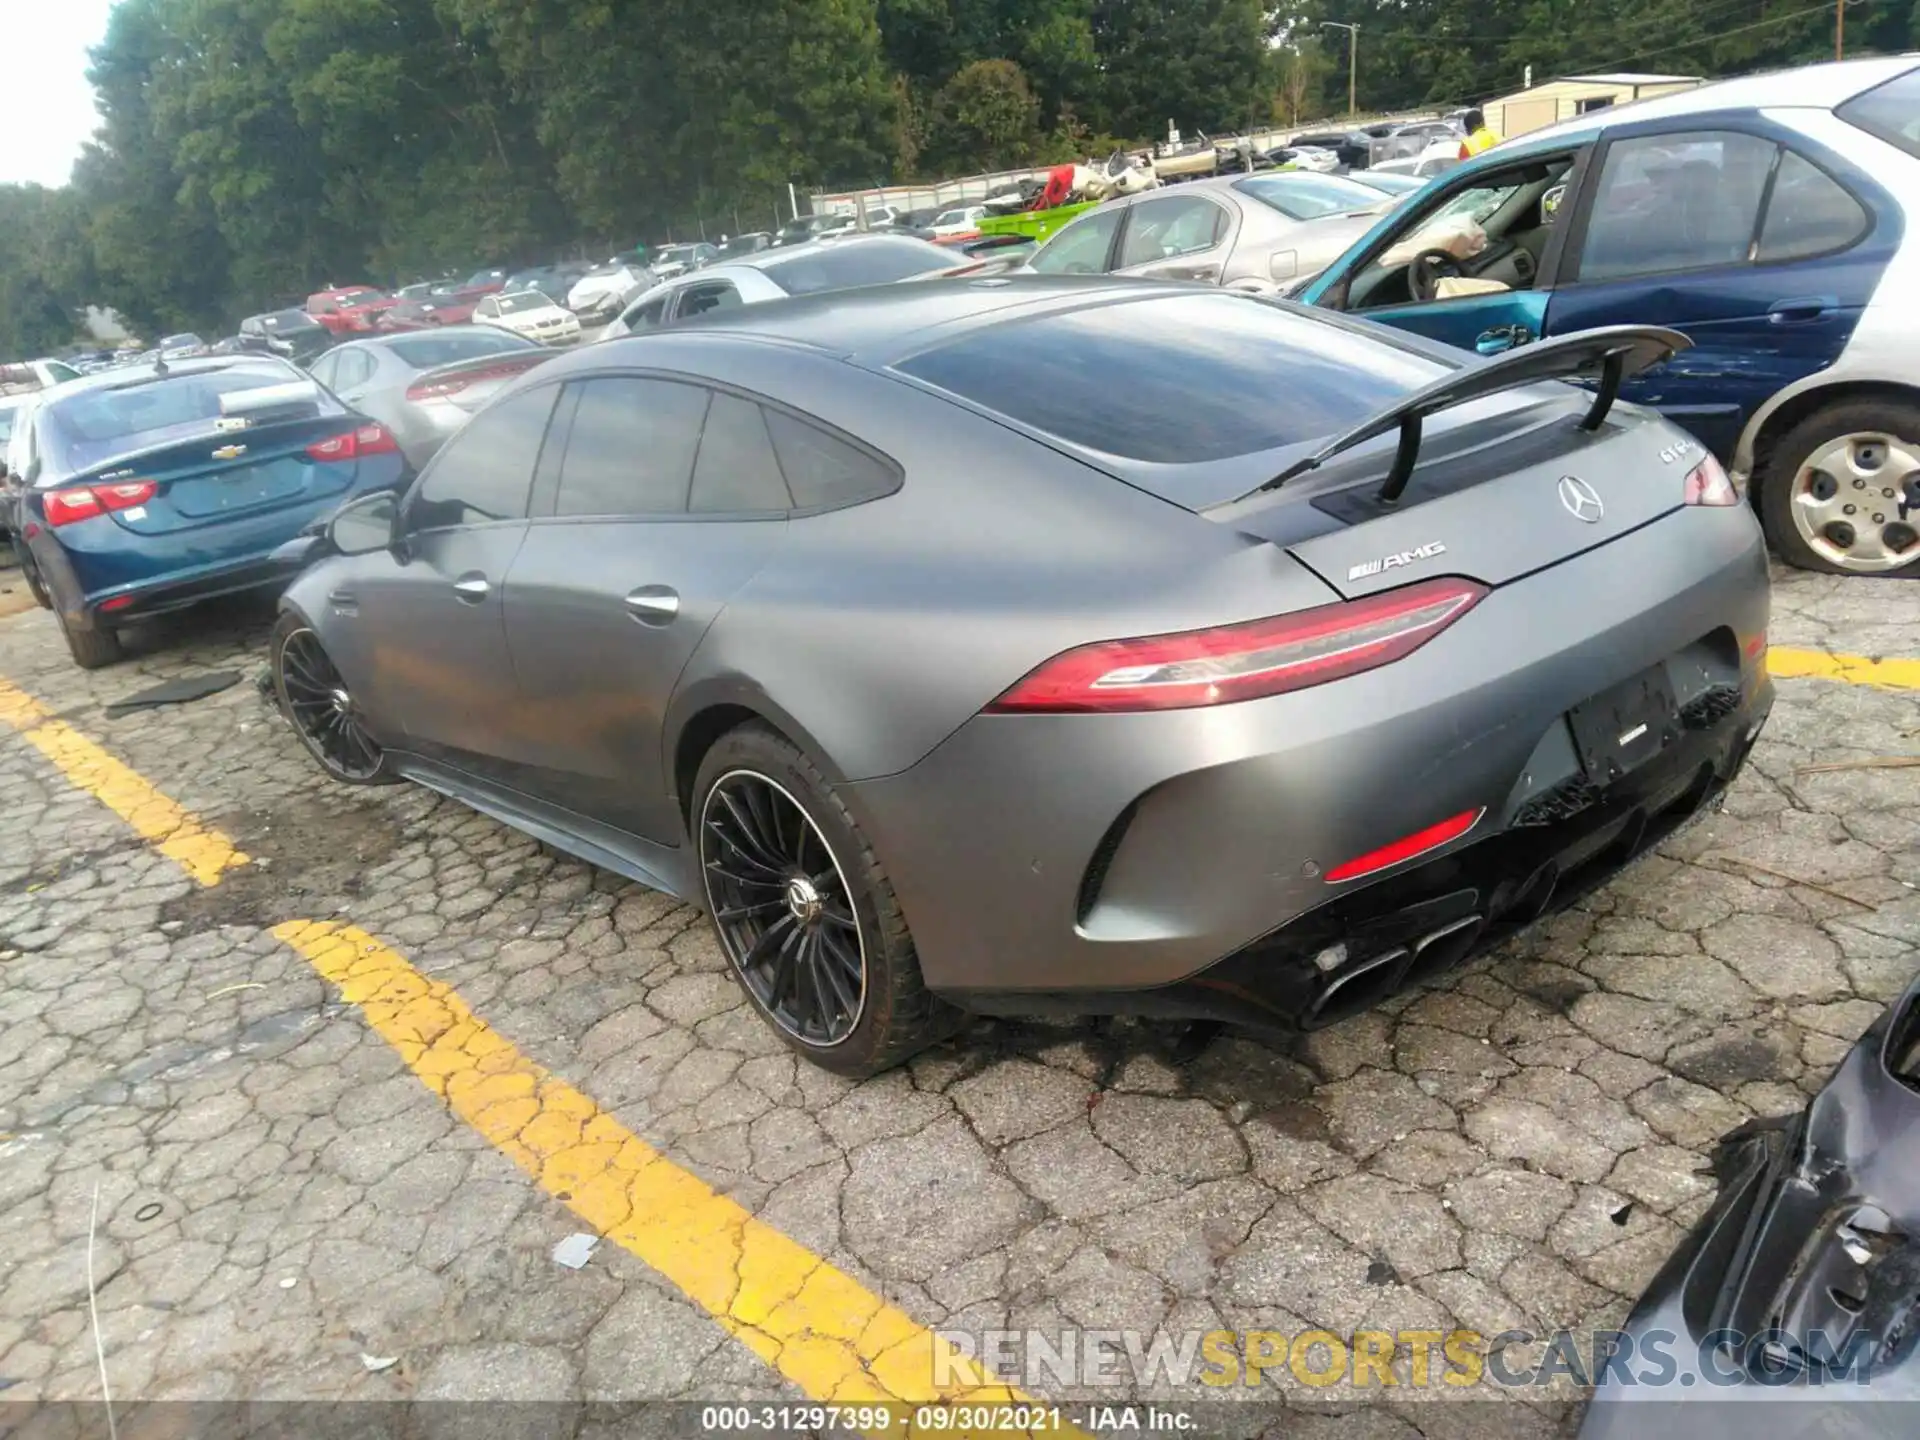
(781, 904)
(316, 700)
(804, 911)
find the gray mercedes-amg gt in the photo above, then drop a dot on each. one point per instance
(1021, 645)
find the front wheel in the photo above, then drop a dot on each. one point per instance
(321, 709)
(1831, 492)
(805, 915)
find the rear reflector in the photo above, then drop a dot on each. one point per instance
(1707, 484)
(118, 602)
(1247, 661)
(355, 444)
(1431, 838)
(83, 502)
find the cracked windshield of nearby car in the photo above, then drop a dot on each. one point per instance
(892, 716)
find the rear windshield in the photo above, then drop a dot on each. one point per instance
(1891, 111)
(1301, 196)
(1177, 380)
(424, 352)
(877, 261)
(97, 425)
(290, 320)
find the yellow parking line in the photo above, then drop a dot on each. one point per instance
(203, 852)
(837, 1341)
(1790, 664)
(823, 1330)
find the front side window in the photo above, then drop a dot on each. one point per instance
(631, 448)
(484, 472)
(699, 299)
(1668, 203)
(648, 315)
(1081, 248)
(1169, 228)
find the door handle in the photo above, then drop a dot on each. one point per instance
(472, 588)
(653, 604)
(1503, 338)
(1802, 310)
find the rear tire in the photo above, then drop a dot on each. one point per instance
(91, 649)
(35, 585)
(1858, 454)
(759, 885)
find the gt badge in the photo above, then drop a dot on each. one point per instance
(1394, 562)
(231, 422)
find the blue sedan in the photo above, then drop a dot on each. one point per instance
(142, 491)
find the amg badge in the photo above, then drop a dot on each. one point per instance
(1394, 562)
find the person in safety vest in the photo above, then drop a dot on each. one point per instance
(1480, 137)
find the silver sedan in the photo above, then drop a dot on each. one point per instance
(423, 386)
(1244, 232)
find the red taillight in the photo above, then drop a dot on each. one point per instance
(1244, 662)
(83, 502)
(1406, 848)
(118, 602)
(355, 444)
(1707, 484)
(453, 384)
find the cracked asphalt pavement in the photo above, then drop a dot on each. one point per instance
(292, 1206)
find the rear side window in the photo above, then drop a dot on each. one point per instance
(1164, 229)
(1667, 203)
(737, 472)
(1890, 111)
(824, 470)
(485, 472)
(1179, 379)
(631, 448)
(1808, 214)
(698, 299)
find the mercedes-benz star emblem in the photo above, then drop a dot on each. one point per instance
(1581, 499)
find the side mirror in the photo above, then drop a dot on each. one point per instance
(365, 525)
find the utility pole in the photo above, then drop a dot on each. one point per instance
(1353, 62)
(1839, 29)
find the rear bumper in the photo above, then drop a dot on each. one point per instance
(102, 574)
(1100, 858)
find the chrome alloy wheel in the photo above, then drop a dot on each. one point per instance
(783, 908)
(322, 709)
(1846, 502)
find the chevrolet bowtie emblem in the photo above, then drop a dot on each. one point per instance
(229, 452)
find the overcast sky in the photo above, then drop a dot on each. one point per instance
(49, 103)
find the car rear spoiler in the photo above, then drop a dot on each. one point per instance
(1615, 352)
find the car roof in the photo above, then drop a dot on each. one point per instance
(127, 377)
(385, 342)
(1819, 87)
(878, 324)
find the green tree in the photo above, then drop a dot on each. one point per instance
(1202, 64)
(985, 118)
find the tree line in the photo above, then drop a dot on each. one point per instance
(251, 151)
